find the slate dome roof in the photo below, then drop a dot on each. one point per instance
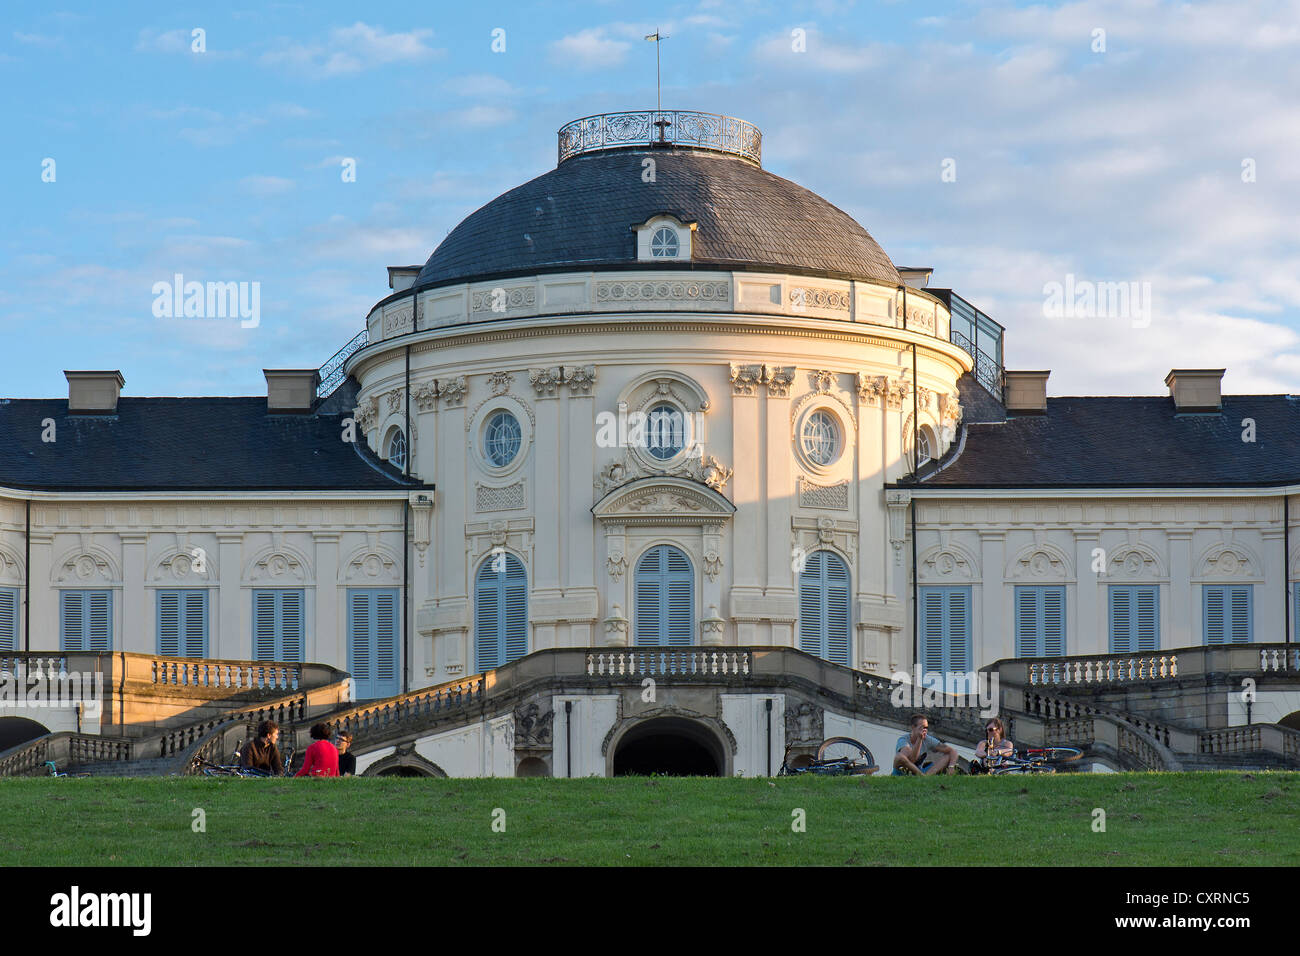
(580, 216)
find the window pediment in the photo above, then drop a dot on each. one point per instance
(659, 500)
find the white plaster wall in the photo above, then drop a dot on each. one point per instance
(592, 719)
(1269, 707)
(746, 715)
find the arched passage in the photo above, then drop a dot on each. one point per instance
(19, 730)
(671, 746)
(1291, 720)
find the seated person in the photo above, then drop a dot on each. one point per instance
(322, 756)
(261, 753)
(347, 761)
(919, 753)
(994, 746)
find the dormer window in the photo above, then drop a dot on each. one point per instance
(664, 245)
(663, 237)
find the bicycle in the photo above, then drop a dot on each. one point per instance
(235, 769)
(1034, 760)
(836, 757)
(54, 771)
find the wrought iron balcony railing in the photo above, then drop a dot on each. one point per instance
(724, 134)
(331, 373)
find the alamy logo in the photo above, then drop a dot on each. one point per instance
(76, 909)
(179, 299)
(946, 689)
(37, 688)
(1083, 299)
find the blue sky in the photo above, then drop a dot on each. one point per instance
(1122, 164)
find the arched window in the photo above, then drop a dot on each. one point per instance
(664, 244)
(665, 598)
(824, 607)
(924, 445)
(501, 611)
(502, 439)
(397, 449)
(821, 438)
(665, 434)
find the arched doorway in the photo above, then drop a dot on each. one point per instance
(1291, 720)
(670, 746)
(19, 730)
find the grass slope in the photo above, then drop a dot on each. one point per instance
(1213, 819)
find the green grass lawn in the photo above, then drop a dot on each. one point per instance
(1211, 819)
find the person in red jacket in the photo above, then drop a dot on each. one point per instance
(322, 758)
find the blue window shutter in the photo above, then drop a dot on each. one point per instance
(514, 607)
(264, 626)
(1147, 631)
(959, 637)
(72, 620)
(665, 598)
(487, 618)
(385, 637)
(1027, 618)
(835, 589)
(360, 622)
(932, 627)
(292, 627)
(811, 603)
(1240, 614)
(1214, 614)
(169, 623)
(1121, 619)
(1054, 622)
(99, 621)
(8, 619)
(196, 623)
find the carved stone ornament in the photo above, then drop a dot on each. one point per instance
(712, 564)
(779, 378)
(661, 501)
(499, 382)
(371, 565)
(426, 396)
(277, 566)
(545, 381)
(394, 400)
(366, 414)
(745, 378)
(580, 378)
(707, 471)
(821, 380)
(616, 628)
(533, 726)
(950, 411)
(825, 530)
(616, 565)
(713, 473)
(398, 320)
(503, 300)
(713, 628)
(453, 391)
(804, 724)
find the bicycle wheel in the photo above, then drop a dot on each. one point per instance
(1060, 754)
(844, 749)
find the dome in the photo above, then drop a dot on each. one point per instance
(581, 215)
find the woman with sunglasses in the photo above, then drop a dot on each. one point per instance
(994, 745)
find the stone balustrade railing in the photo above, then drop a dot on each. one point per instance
(1183, 663)
(226, 675)
(369, 720)
(684, 663)
(1252, 739)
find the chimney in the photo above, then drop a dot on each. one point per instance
(94, 393)
(290, 391)
(401, 278)
(915, 277)
(1025, 393)
(1196, 389)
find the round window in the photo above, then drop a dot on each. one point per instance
(821, 438)
(664, 243)
(501, 439)
(665, 431)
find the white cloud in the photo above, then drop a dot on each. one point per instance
(480, 85)
(37, 39)
(590, 49)
(351, 50)
(267, 185)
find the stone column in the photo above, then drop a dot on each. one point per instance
(327, 640)
(135, 614)
(994, 639)
(1182, 613)
(234, 639)
(1085, 621)
(43, 596)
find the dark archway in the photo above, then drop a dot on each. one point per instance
(671, 746)
(19, 730)
(532, 767)
(1291, 720)
(401, 770)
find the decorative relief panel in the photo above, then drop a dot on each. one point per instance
(1040, 562)
(506, 498)
(667, 290)
(499, 382)
(393, 400)
(453, 391)
(366, 414)
(821, 380)
(533, 727)
(545, 380)
(777, 378)
(426, 396)
(1225, 562)
(580, 378)
(707, 471)
(834, 497)
(921, 317)
(804, 725)
(807, 297)
(948, 564)
(503, 300)
(86, 568)
(397, 321)
(880, 388)
(810, 534)
(1134, 561)
(278, 566)
(896, 503)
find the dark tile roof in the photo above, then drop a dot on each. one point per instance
(579, 215)
(177, 444)
(1130, 443)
